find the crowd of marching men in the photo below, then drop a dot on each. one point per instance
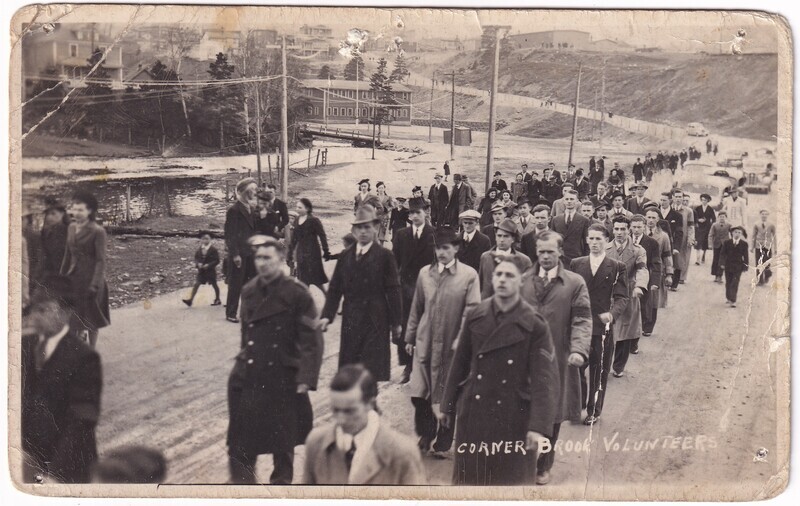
(507, 314)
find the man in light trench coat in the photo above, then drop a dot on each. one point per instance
(446, 290)
(562, 298)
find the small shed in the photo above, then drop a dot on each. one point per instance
(463, 136)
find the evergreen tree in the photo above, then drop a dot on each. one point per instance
(220, 102)
(400, 71)
(356, 62)
(326, 73)
(381, 86)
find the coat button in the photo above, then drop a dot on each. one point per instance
(274, 345)
(510, 362)
(278, 327)
(480, 356)
(270, 363)
(251, 325)
(499, 402)
(480, 376)
(478, 396)
(249, 343)
(503, 382)
(250, 361)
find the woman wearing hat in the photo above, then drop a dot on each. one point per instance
(85, 265)
(509, 204)
(387, 204)
(364, 196)
(704, 217)
(485, 206)
(304, 247)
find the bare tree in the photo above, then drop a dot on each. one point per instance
(179, 43)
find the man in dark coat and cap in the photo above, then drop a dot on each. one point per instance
(240, 226)
(439, 198)
(502, 387)
(279, 362)
(366, 276)
(412, 247)
(473, 242)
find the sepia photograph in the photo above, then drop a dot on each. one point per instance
(413, 253)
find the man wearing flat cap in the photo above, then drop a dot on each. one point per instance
(439, 198)
(240, 225)
(61, 384)
(412, 247)
(445, 291)
(366, 277)
(474, 243)
(498, 212)
(635, 204)
(505, 237)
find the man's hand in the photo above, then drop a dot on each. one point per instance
(606, 318)
(668, 280)
(675, 252)
(323, 324)
(237, 261)
(302, 388)
(637, 292)
(532, 440)
(410, 349)
(575, 359)
(653, 288)
(446, 420)
(396, 331)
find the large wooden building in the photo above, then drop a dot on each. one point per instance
(339, 101)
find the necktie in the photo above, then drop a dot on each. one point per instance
(41, 354)
(466, 239)
(569, 218)
(523, 222)
(651, 233)
(620, 248)
(359, 254)
(348, 455)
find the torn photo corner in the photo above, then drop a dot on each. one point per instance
(414, 253)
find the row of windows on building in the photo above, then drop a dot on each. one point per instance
(352, 94)
(350, 112)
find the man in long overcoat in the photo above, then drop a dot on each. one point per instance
(446, 290)
(474, 243)
(684, 247)
(240, 226)
(278, 363)
(504, 385)
(561, 297)
(677, 233)
(657, 298)
(655, 269)
(413, 249)
(61, 383)
(439, 199)
(608, 293)
(628, 326)
(366, 276)
(460, 197)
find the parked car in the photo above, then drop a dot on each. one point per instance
(732, 158)
(695, 185)
(697, 130)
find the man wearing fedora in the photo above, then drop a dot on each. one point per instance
(366, 277)
(505, 237)
(412, 247)
(445, 291)
(240, 225)
(460, 197)
(439, 198)
(60, 389)
(637, 202)
(498, 215)
(474, 243)
(734, 260)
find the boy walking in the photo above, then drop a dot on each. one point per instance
(206, 259)
(734, 258)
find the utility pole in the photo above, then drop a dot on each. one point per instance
(284, 128)
(602, 104)
(492, 108)
(258, 137)
(430, 110)
(575, 115)
(357, 92)
(452, 117)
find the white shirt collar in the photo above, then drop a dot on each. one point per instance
(418, 229)
(442, 267)
(551, 274)
(363, 440)
(469, 236)
(363, 249)
(52, 343)
(595, 261)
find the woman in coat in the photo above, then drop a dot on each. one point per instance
(387, 203)
(519, 189)
(85, 265)
(485, 207)
(304, 248)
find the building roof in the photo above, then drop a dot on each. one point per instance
(548, 31)
(342, 84)
(139, 75)
(74, 61)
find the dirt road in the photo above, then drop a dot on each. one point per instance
(693, 410)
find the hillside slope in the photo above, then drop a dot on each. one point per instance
(730, 95)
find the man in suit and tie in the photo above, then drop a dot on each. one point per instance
(498, 215)
(61, 384)
(655, 270)
(558, 205)
(359, 448)
(541, 220)
(636, 203)
(618, 207)
(474, 243)
(656, 298)
(582, 185)
(524, 220)
(413, 248)
(608, 294)
(573, 227)
(460, 196)
(438, 198)
(734, 260)
(240, 225)
(506, 236)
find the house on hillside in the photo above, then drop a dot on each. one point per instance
(136, 78)
(63, 55)
(341, 102)
(316, 31)
(553, 39)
